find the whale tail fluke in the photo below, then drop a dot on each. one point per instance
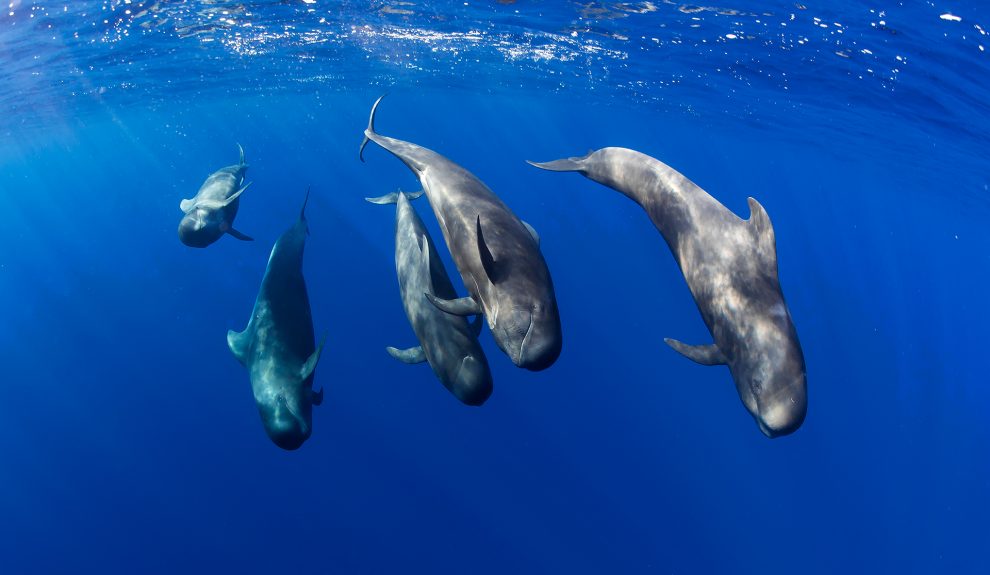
(370, 130)
(302, 211)
(241, 161)
(563, 165)
(393, 198)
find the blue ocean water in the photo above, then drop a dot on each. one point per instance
(131, 442)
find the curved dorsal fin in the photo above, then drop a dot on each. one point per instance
(238, 343)
(762, 230)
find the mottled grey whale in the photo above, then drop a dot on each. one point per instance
(448, 342)
(730, 266)
(278, 348)
(497, 255)
(211, 212)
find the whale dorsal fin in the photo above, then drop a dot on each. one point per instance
(762, 229)
(238, 343)
(309, 367)
(487, 259)
(703, 354)
(532, 231)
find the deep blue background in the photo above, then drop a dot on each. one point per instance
(130, 443)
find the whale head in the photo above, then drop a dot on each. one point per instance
(200, 227)
(530, 336)
(771, 379)
(286, 422)
(472, 384)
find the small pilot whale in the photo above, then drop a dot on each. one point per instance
(210, 214)
(447, 341)
(277, 346)
(730, 266)
(497, 255)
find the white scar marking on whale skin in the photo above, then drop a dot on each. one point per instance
(778, 310)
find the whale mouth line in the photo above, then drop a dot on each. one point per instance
(529, 333)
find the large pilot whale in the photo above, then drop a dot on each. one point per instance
(730, 266)
(210, 214)
(447, 341)
(278, 348)
(497, 255)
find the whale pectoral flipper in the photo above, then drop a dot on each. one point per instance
(316, 397)
(703, 354)
(187, 206)
(307, 369)
(487, 259)
(217, 204)
(411, 355)
(238, 344)
(240, 191)
(239, 235)
(532, 232)
(459, 306)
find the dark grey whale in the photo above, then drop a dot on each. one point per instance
(448, 342)
(497, 255)
(730, 266)
(211, 212)
(278, 348)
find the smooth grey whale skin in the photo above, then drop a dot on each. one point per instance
(730, 266)
(448, 342)
(210, 213)
(278, 348)
(497, 255)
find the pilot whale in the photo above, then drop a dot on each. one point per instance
(277, 346)
(730, 266)
(447, 341)
(210, 214)
(496, 253)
